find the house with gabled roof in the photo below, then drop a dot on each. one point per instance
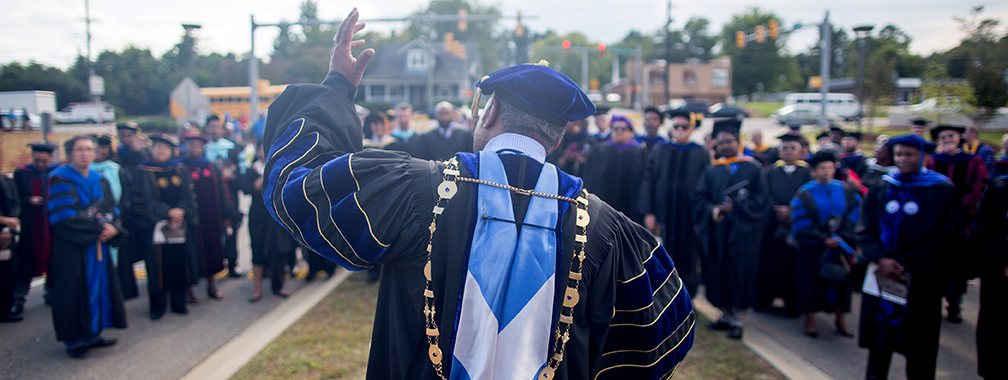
(422, 73)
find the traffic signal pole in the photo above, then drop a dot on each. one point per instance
(824, 66)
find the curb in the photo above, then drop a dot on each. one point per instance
(791, 365)
(229, 358)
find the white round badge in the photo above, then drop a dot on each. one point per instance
(892, 207)
(911, 208)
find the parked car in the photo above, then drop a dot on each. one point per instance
(803, 115)
(721, 110)
(843, 105)
(951, 105)
(13, 119)
(698, 106)
(86, 113)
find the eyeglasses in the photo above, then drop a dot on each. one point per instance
(681, 126)
(787, 147)
(618, 129)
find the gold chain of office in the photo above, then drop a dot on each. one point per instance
(447, 190)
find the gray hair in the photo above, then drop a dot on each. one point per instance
(404, 106)
(443, 105)
(517, 121)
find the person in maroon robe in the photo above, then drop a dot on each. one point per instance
(33, 249)
(969, 174)
(209, 258)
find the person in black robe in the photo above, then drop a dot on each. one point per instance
(990, 239)
(35, 244)
(824, 214)
(376, 133)
(852, 158)
(168, 198)
(730, 205)
(10, 209)
(615, 169)
(442, 142)
(666, 198)
(86, 295)
(226, 155)
(131, 151)
(270, 243)
(209, 192)
(970, 176)
(653, 120)
(120, 181)
(763, 153)
(603, 123)
(910, 227)
(574, 150)
(778, 253)
(608, 326)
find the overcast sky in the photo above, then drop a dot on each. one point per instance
(51, 32)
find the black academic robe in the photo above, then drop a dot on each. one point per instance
(129, 159)
(9, 207)
(269, 241)
(432, 145)
(126, 248)
(582, 143)
(615, 174)
(75, 236)
(856, 163)
(164, 187)
(921, 237)
(376, 207)
(814, 209)
(35, 246)
(208, 190)
(667, 192)
(777, 252)
(991, 241)
(731, 248)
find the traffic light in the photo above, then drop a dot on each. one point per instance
(463, 24)
(601, 48)
(740, 39)
(566, 44)
(760, 34)
(774, 28)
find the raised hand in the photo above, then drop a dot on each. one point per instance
(341, 59)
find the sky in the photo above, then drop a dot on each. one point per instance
(52, 32)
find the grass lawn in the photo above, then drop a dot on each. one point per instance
(331, 342)
(763, 109)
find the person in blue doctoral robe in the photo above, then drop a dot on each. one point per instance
(495, 264)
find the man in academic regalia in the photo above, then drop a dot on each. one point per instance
(169, 210)
(973, 145)
(86, 296)
(519, 281)
(225, 155)
(991, 241)
(910, 227)
(120, 181)
(614, 171)
(762, 152)
(852, 158)
(442, 142)
(653, 119)
(10, 209)
(131, 150)
(969, 174)
(666, 198)
(575, 149)
(34, 246)
(401, 128)
(603, 123)
(270, 242)
(919, 126)
(778, 252)
(209, 191)
(836, 134)
(730, 206)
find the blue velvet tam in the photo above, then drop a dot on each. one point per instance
(624, 119)
(540, 91)
(914, 141)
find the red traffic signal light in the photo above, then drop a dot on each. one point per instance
(740, 39)
(601, 47)
(566, 44)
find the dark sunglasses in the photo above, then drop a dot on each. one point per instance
(681, 126)
(616, 129)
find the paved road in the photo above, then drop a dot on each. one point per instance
(165, 349)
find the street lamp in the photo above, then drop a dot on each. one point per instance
(189, 28)
(862, 32)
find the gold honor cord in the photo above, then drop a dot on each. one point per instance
(447, 190)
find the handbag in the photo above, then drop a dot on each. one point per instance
(832, 271)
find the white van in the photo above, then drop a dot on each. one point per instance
(843, 105)
(86, 113)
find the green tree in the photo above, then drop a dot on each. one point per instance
(37, 77)
(953, 97)
(757, 65)
(135, 81)
(483, 33)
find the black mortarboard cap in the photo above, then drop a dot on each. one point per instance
(789, 137)
(694, 118)
(936, 130)
(920, 121)
(856, 135)
(822, 135)
(161, 137)
(42, 147)
(540, 91)
(727, 125)
(104, 139)
(834, 128)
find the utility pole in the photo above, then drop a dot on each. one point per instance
(668, 53)
(862, 32)
(824, 65)
(95, 95)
